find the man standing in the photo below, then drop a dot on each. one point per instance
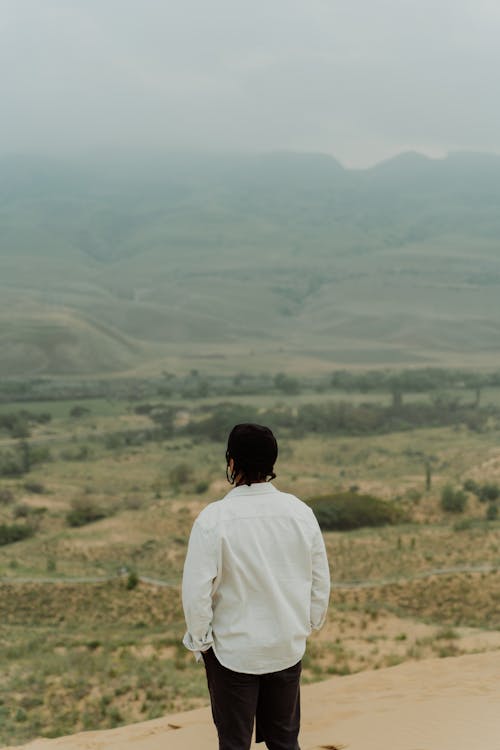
(256, 582)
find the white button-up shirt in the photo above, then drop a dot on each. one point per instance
(256, 579)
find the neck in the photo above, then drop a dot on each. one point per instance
(240, 481)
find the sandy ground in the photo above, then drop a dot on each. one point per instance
(437, 704)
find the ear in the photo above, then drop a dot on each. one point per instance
(231, 465)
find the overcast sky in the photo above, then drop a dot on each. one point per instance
(359, 79)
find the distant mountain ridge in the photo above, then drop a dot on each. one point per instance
(238, 261)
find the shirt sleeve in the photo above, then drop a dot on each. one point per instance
(200, 570)
(320, 589)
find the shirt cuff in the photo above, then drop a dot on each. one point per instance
(198, 646)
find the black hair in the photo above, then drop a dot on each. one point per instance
(254, 451)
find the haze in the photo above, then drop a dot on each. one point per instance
(358, 79)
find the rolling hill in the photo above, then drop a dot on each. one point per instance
(260, 262)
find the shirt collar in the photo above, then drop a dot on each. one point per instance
(258, 488)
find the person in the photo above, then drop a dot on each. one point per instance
(256, 582)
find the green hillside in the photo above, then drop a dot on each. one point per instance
(247, 262)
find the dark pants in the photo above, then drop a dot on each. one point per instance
(238, 698)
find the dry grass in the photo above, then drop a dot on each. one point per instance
(81, 656)
(471, 599)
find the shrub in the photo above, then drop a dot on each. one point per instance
(78, 453)
(488, 492)
(221, 420)
(201, 487)
(21, 429)
(180, 474)
(287, 384)
(132, 503)
(22, 510)
(14, 532)
(453, 501)
(114, 440)
(414, 495)
(117, 440)
(471, 486)
(492, 512)
(11, 464)
(36, 488)
(465, 524)
(39, 454)
(348, 510)
(6, 496)
(132, 580)
(485, 492)
(79, 411)
(84, 511)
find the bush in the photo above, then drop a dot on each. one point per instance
(84, 511)
(78, 411)
(287, 384)
(221, 419)
(471, 486)
(453, 501)
(78, 453)
(36, 488)
(22, 510)
(38, 454)
(117, 440)
(16, 424)
(21, 429)
(488, 492)
(11, 464)
(14, 532)
(492, 512)
(201, 487)
(35, 515)
(180, 474)
(465, 524)
(132, 580)
(132, 503)
(6, 496)
(114, 440)
(348, 510)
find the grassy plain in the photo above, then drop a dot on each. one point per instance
(104, 649)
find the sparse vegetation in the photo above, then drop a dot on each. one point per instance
(149, 477)
(401, 450)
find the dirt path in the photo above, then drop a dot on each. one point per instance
(336, 585)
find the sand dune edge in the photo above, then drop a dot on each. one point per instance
(436, 704)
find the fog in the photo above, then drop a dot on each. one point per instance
(361, 80)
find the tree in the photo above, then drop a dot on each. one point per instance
(428, 475)
(287, 384)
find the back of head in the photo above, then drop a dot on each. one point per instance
(254, 450)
